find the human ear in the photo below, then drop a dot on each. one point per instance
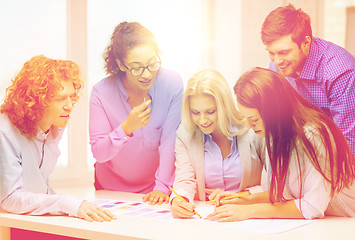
(120, 65)
(307, 42)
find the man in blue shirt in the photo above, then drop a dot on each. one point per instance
(321, 71)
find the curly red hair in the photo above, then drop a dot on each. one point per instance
(34, 87)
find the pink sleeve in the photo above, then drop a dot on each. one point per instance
(165, 172)
(185, 181)
(105, 142)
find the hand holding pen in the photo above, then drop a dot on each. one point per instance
(181, 208)
(137, 118)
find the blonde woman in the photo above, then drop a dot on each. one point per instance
(213, 149)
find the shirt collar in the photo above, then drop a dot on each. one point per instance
(125, 94)
(53, 133)
(309, 68)
(121, 88)
(208, 137)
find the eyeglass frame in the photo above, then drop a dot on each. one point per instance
(144, 68)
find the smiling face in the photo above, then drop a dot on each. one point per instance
(57, 113)
(288, 56)
(253, 118)
(140, 56)
(203, 110)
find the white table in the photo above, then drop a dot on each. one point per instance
(129, 227)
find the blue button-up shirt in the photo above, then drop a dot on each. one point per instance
(25, 165)
(225, 174)
(328, 81)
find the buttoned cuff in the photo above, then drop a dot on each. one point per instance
(70, 205)
(162, 188)
(122, 134)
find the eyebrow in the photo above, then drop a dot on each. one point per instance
(210, 109)
(282, 50)
(63, 96)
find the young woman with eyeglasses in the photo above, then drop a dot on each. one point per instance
(134, 114)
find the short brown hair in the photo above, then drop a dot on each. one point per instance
(284, 21)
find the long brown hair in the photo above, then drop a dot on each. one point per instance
(286, 115)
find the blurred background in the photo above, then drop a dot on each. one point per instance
(192, 34)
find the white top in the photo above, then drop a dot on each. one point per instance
(25, 165)
(315, 201)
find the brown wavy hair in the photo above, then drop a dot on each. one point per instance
(34, 87)
(127, 35)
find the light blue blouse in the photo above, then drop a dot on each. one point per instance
(224, 174)
(25, 165)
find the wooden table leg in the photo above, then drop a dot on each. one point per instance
(5, 233)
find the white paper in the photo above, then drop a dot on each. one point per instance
(204, 211)
(267, 226)
(258, 226)
(137, 209)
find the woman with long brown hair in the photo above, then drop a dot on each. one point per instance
(311, 169)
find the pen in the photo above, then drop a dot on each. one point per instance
(241, 194)
(182, 199)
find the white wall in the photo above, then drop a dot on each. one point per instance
(350, 30)
(193, 35)
(253, 15)
(26, 33)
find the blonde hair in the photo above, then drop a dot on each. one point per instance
(211, 82)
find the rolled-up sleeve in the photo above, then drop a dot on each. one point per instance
(105, 142)
(316, 191)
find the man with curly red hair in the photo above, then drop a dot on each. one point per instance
(36, 108)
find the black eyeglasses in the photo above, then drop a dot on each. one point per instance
(137, 71)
